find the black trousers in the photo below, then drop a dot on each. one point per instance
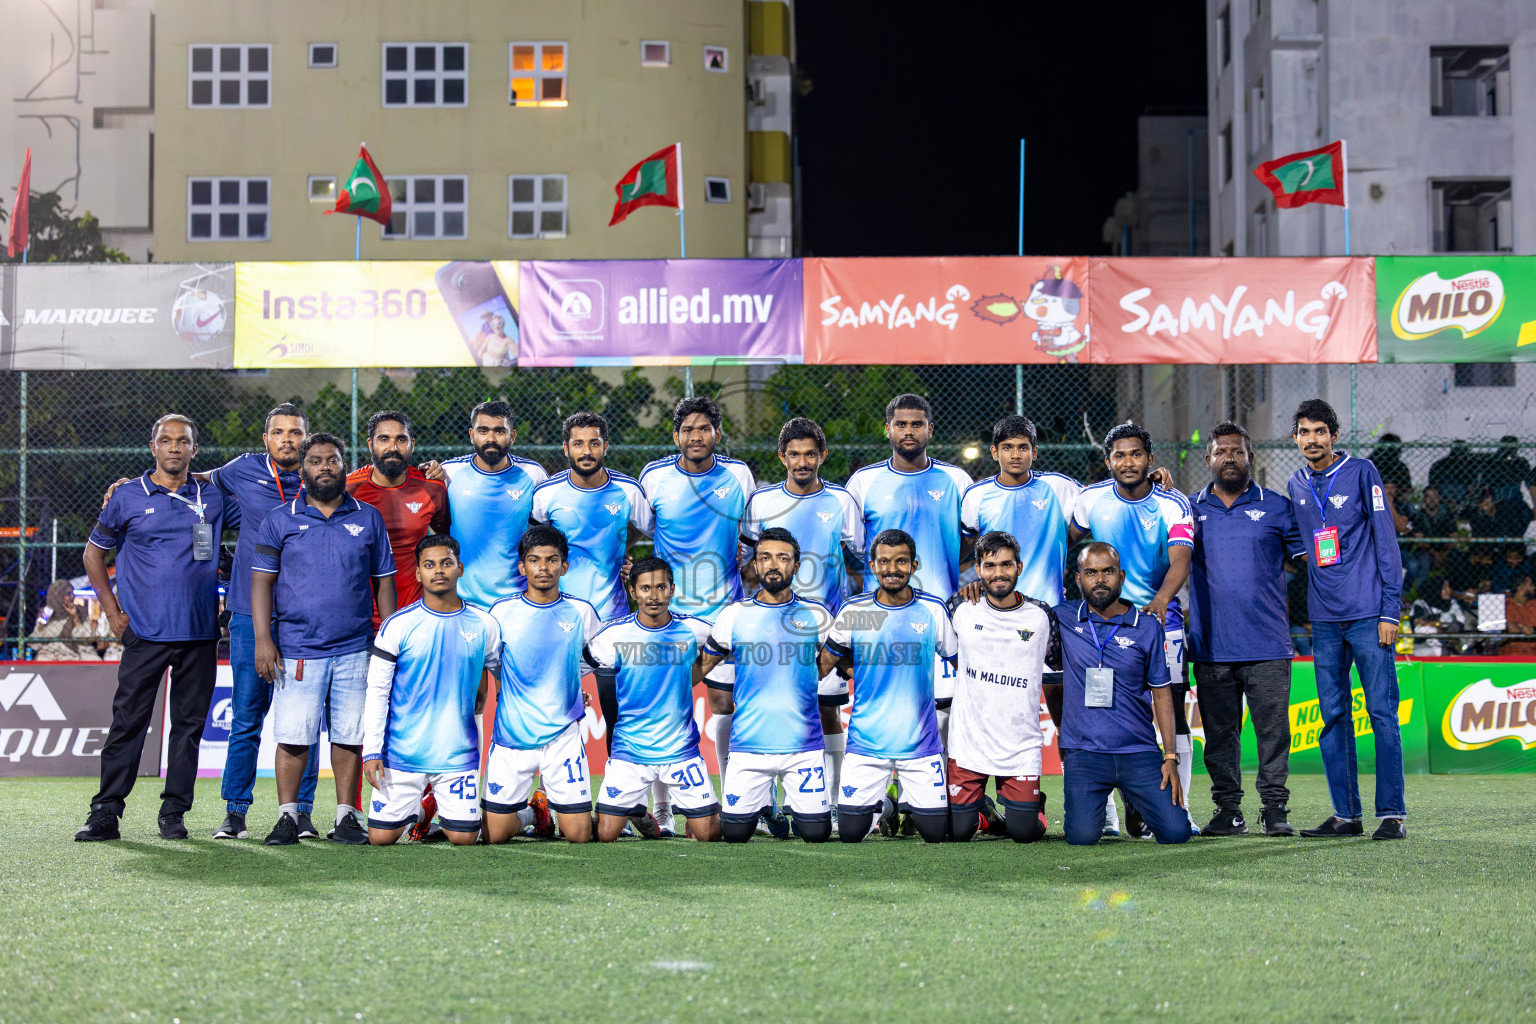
(193, 667)
(1267, 685)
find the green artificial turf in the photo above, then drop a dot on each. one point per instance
(1439, 927)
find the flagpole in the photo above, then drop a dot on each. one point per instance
(1021, 197)
(1344, 159)
(682, 220)
(357, 244)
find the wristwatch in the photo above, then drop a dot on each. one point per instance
(1171, 757)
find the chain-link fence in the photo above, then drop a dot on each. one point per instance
(1463, 499)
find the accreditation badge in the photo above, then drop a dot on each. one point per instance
(1325, 545)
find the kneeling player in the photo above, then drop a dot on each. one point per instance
(426, 686)
(1008, 645)
(652, 658)
(891, 639)
(775, 725)
(539, 706)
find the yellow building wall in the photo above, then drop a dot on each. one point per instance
(619, 112)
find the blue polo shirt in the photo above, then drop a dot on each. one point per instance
(169, 596)
(1237, 579)
(1367, 581)
(253, 483)
(322, 601)
(1133, 647)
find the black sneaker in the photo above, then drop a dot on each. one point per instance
(307, 828)
(1390, 828)
(1227, 822)
(646, 825)
(1275, 823)
(1334, 828)
(1135, 828)
(233, 827)
(99, 826)
(284, 833)
(172, 826)
(778, 824)
(348, 832)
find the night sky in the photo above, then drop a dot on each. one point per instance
(908, 139)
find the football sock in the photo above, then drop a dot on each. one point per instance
(1186, 748)
(342, 810)
(931, 826)
(292, 810)
(525, 817)
(837, 745)
(1024, 823)
(1111, 814)
(721, 735)
(737, 831)
(659, 795)
(944, 729)
(852, 828)
(962, 825)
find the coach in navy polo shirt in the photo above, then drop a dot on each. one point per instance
(1354, 587)
(321, 561)
(1114, 687)
(165, 528)
(1239, 632)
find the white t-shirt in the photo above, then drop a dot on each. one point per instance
(994, 722)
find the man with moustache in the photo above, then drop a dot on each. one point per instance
(322, 564)
(1239, 631)
(413, 506)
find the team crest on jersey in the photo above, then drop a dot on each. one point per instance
(355, 529)
(469, 637)
(1147, 524)
(515, 492)
(1040, 503)
(681, 645)
(495, 788)
(378, 805)
(612, 790)
(848, 791)
(414, 506)
(614, 509)
(1376, 503)
(825, 517)
(1253, 513)
(919, 627)
(954, 789)
(721, 492)
(731, 798)
(566, 626)
(801, 625)
(936, 495)
(1125, 641)
(1338, 500)
(1025, 634)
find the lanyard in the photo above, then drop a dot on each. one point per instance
(1093, 631)
(197, 507)
(1322, 503)
(276, 479)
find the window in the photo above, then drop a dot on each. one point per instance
(717, 58)
(1223, 38)
(322, 188)
(428, 206)
(237, 75)
(1469, 81)
(1258, 116)
(717, 190)
(1224, 154)
(538, 204)
(227, 209)
(322, 55)
(654, 53)
(426, 75)
(537, 74)
(1485, 375)
(1473, 215)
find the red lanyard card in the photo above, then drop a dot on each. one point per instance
(1325, 545)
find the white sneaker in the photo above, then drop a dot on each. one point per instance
(1111, 818)
(834, 820)
(663, 814)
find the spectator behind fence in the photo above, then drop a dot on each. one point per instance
(1508, 570)
(1520, 617)
(67, 623)
(1387, 457)
(1508, 475)
(1455, 475)
(1430, 518)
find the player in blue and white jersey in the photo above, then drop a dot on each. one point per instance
(539, 704)
(772, 699)
(828, 526)
(1153, 530)
(1034, 507)
(490, 494)
(601, 513)
(426, 686)
(890, 639)
(653, 659)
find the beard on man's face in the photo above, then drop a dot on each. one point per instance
(491, 452)
(776, 583)
(328, 489)
(1102, 597)
(392, 463)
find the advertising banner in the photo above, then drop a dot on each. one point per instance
(1482, 717)
(1232, 311)
(1456, 309)
(143, 316)
(376, 313)
(945, 310)
(660, 312)
(54, 717)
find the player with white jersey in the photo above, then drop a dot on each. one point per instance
(775, 728)
(426, 686)
(1153, 530)
(539, 706)
(652, 657)
(1009, 647)
(890, 640)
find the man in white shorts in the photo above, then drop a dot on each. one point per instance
(772, 698)
(539, 706)
(652, 657)
(890, 638)
(426, 686)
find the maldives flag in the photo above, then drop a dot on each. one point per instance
(21, 213)
(654, 181)
(366, 193)
(1316, 176)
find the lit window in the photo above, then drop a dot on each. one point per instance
(322, 55)
(717, 190)
(322, 188)
(655, 53)
(228, 209)
(426, 75)
(537, 74)
(717, 58)
(233, 75)
(538, 204)
(428, 206)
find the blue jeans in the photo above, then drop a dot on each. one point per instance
(252, 698)
(1088, 777)
(1334, 646)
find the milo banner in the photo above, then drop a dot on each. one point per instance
(1482, 717)
(1456, 309)
(376, 313)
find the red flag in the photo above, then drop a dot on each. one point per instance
(653, 181)
(366, 193)
(18, 239)
(1313, 176)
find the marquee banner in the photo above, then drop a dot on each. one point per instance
(1456, 309)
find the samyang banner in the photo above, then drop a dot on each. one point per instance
(660, 312)
(1232, 310)
(946, 310)
(144, 316)
(376, 313)
(1456, 309)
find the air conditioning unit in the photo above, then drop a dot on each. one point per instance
(757, 92)
(757, 198)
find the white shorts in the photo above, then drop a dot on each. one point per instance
(626, 784)
(943, 681)
(397, 801)
(1173, 654)
(750, 778)
(864, 779)
(561, 765)
(832, 690)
